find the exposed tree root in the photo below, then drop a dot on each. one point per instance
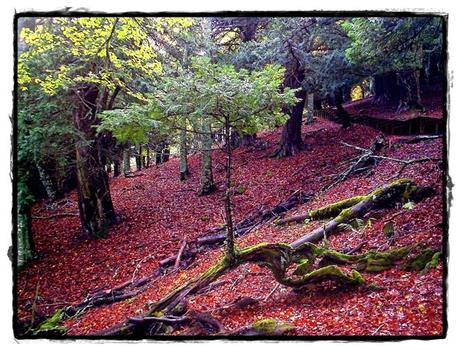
(314, 264)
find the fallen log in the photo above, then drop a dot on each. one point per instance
(384, 196)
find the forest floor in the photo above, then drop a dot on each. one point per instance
(158, 211)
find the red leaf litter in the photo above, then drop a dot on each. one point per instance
(159, 211)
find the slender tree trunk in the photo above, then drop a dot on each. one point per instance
(95, 203)
(409, 91)
(117, 160)
(310, 107)
(139, 158)
(183, 167)
(207, 181)
(26, 246)
(342, 114)
(46, 181)
(230, 241)
(147, 158)
(127, 159)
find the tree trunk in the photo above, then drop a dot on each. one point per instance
(183, 167)
(26, 247)
(409, 91)
(147, 157)
(46, 181)
(139, 158)
(309, 105)
(385, 88)
(117, 159)
(94, 200)
(342, 114)
(291, 137)
(230, 239)
(165, 154)
(346, 93)
(207, 182)
(127, 159)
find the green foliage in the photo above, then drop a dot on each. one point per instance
(216, 92)
(387, 44)
(128, 125)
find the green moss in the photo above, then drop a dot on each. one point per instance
(215, 269)
(325, 273)
(240, 189)
(272, 249)
(433, 262)
(303, 267)
(334, 209)
(271, 326)
(372, 261)
(52, 324)
(426, 258)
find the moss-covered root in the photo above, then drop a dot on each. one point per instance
(425, 260)
(52, 325)
(331, 272)
(266, 327)
(370, 261)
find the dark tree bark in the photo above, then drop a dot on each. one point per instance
(117, 160)
(346, 93)
(291, 137)
(94, 200)
(127, 159)
(165, 154)
(342, 114)
(230, 239)
(385, 88)
(409, 91)
(26, 245)
(139, 158)
(147, 157)
(183, 153)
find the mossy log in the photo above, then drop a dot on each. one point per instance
(385, 196)
(325, 212)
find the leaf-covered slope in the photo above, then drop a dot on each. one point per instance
(158, 211)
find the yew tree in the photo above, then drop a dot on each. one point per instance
(226, 99)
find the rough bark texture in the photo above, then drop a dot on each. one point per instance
(385, 88)
(342, 114)
(207, 181)
(26, 246)
(95, 203)
(183, 153)
(230, 240)
(291, 137)
(127, 159)
(46, 181)
(309, 106)
(139, 158)
(409, 91)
